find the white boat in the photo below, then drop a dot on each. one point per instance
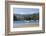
(26, 21)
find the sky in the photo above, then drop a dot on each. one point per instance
(25, 10)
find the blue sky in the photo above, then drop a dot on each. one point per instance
(25, 10)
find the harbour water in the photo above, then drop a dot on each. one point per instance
(26, 22)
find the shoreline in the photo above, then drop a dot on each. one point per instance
(25, 25)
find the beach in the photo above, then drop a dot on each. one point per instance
(25, 25)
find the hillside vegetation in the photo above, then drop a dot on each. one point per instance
(26, 17)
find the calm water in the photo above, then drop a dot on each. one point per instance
(26, 22)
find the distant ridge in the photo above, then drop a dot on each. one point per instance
(26, 14)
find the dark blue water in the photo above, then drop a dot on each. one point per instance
(26, 22)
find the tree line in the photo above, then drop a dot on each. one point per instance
(26, 17)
